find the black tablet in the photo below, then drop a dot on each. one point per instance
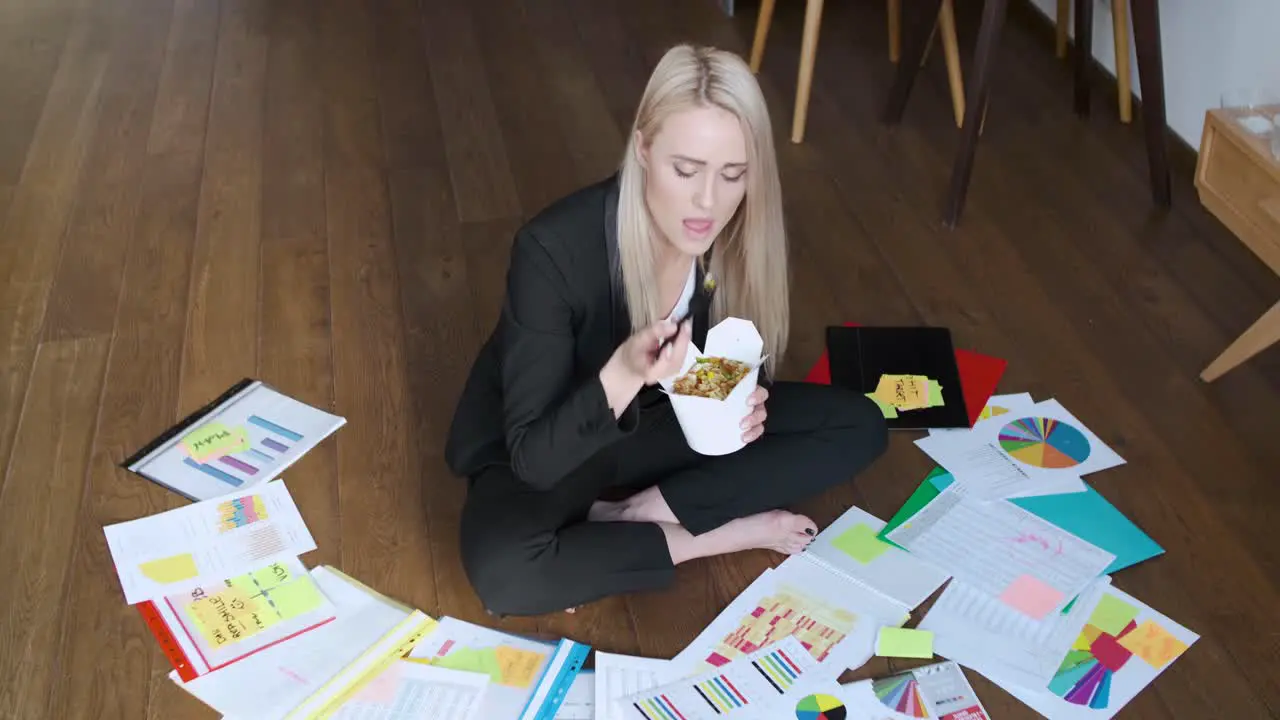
(910, 371)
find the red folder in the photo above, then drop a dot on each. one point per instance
(979, 376)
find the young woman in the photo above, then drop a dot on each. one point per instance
(562, 408)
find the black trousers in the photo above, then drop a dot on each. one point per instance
(528, 552)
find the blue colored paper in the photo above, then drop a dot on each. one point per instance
(1088, 516)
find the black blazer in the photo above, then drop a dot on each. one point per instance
(534, 398)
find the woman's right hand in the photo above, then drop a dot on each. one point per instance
(640, 355)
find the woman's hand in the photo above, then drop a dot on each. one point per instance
(638, 362)
(753, 423)
(642, 359)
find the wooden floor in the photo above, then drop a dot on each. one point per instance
(322, 194)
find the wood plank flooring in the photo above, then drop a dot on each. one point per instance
(322, 195)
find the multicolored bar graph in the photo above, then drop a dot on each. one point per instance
(214, 472)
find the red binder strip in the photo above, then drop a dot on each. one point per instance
(168, 644)
(979, 377)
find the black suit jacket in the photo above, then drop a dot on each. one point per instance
(534, 398)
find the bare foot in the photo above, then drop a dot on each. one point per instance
(777, 530)
(603, 511)
(648, 505)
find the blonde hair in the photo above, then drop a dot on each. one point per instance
(749, 258)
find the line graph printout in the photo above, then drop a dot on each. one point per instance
(1000, 549)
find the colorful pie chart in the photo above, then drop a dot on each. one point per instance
(1044, 443)
(820, 707)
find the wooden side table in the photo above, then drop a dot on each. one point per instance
(1238, 180)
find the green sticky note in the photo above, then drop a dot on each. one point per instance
(890, 412)
(904, 643)
(1112, 615)
(483, 661)
(860, 543)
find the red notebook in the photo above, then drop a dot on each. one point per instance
(979, 376)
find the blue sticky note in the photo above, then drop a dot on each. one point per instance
(1088, 516)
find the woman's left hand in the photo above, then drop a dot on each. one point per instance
(753, 423)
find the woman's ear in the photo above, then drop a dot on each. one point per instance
(642, 152)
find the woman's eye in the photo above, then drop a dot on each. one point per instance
(735, 177)
(684, 173)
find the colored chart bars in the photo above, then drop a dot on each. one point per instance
(270, 440)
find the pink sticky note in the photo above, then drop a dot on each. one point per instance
(1029, 595)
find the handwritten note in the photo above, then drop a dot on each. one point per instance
(215, 439)
(907, 392)
(251, 603)
(1153, 644)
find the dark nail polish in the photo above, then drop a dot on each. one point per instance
(809, 531)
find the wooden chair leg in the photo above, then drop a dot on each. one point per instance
(1260, 335)
(1145, 16)
(808, 54)
(763, 21)
(921, 14)
(895, 30)
(993, 16)
(1084, 55)
(1120, 28)
(1064, 18)
(951, 50)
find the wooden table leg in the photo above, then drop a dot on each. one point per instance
(1083, 55)
(993, 15)
(1145, 16)
(1261, 335)
(920, 16)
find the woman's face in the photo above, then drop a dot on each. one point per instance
(695, 171)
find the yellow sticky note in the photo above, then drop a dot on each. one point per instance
(517, 666)
(295, 597)
(1085, 639)
(1112, 614)
(484, 661)
(1153, 644)
(170, 569)
(860, 543)
(230, 615)
(267, 578)
(904, 643)
(213, 439)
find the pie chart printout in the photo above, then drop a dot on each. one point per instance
(821, 707)
(1044, 443)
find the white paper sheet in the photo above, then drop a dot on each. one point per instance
(836, 619)
(509, 690)
(848, 546)
(1095, 678)
(975, 629)
(271, 683)
(1002, 550)
(410, 690)
(193, 545)
(249, 612)
(279, 430)
(1040, 450)
(618, 676)
(757, 685)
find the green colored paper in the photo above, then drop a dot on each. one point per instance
(477, 661)
(1112, 614)
(921, 497)
(905, 643)
(890, 412)
(860, 543)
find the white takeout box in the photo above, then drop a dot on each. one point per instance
(714, 427)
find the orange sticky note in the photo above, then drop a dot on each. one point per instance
(1153, 644)
(517, 666)
(1029, 595)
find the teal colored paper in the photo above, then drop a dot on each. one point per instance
(1088, 516)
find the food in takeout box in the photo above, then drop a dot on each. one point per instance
(710, 392)
(711, 377)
